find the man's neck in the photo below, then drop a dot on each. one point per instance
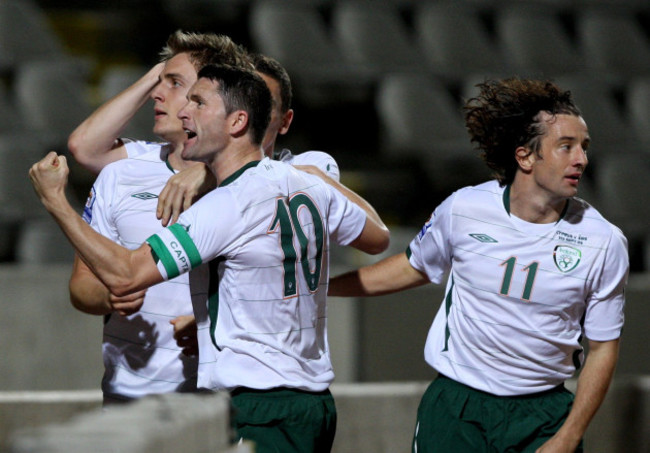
(534, 206)
(176, 161)
(228, 162)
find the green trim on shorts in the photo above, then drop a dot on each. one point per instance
(284, 420)
(453, 417)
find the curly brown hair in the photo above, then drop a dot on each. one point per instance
(506, 115)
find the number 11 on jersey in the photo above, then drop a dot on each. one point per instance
(531, 271)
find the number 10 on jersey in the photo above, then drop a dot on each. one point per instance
(287, 219)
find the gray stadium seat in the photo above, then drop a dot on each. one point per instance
(42, 241)
(25, 34)
(454, 40)
(638, 107)
(10, 120)
(613, 42)
(52, 97)
(535, 42)
(420, 118)
(373, 37)
(604, 115)
(114, 80)
(295, 34)
(623, 184)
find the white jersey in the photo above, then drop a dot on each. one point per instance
(322, 160)
(268, 229)
(519, 295)
(140, 354)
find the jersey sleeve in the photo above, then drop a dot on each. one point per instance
(199, 235)
(97, 210)
(604, 314)
(346, 220)
(136, 148)
(430, 251)
(320, 159)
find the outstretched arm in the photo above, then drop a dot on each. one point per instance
(95, 142)
(375, 236)
(593, 383)
(123, 271)
(89, 295)
(387, 276)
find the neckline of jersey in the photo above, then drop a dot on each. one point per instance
(238, 173)
(506, 205)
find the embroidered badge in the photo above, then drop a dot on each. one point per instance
(566, 258)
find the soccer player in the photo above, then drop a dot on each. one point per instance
(531, 269)
(269, 227)
(140, 353)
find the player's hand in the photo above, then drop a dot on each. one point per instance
(185, 334)
(129, 304)
(183, 189)
(557, 444)
(49, 177)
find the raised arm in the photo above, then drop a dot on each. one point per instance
(593, 384)
(387, 276)
(95, 142)
(89, 295)
(121, 270)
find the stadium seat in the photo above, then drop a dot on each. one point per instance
(613, 42)
(454, 40)
(10, 121)
(604, 115)
(638, 107)
(42, 241)
(535, 41)
(373, 37)
(114, 80)
(623, 184)
(52, 97)
(295, 34)
(420, 118)
(25, 34)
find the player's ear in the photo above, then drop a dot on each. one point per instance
(238, 122)
(525, 157)
(287, 118)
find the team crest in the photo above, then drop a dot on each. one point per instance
(566, 258)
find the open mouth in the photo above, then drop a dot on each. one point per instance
(190, 134)
(574, 179)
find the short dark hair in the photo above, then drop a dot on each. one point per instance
(272, 68)
(242, 89)
(506, 115)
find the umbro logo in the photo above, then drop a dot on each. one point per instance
(144, 195)
(482, 237)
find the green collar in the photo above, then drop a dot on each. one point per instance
(238, 173)
(506, 199)
(506, 203)
(169, 165)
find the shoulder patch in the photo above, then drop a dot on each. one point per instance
(88, 207)
(425, 228)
